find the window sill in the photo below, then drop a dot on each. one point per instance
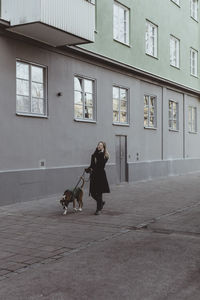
(85, 121)
(196, 20)
(122, 43)
(176, 3)
(193, 132)
(173, 130)
(31, 115)
(195, 76)
(152, 56)
(153, 128)
(178, 68)
(121, 124)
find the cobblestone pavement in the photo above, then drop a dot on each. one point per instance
(35, 235)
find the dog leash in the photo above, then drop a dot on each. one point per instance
(82, 177)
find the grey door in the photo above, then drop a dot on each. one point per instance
(121, 157)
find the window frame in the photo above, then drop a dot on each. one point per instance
(195, 67)
(175, 39)
(192, 125)
(155, 40)
(94, 93)
(172, 119)
(127, 21)
(45, 88)
(127, 110)
(155, 112)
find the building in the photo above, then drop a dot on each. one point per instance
(76, 72)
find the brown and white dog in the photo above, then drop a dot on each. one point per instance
(72, 196)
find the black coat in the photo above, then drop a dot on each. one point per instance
(98, 179)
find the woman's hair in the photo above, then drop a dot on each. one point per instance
(106, 154)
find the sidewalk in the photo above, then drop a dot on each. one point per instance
(144, 245)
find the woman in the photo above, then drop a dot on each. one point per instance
(98, 180)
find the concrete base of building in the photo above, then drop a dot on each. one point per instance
(26, 185)
(154, 169)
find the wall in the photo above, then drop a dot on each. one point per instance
(65, 144)
(170, 19)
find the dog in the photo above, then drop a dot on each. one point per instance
(72, 196)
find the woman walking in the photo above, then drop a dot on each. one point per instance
(98, 179)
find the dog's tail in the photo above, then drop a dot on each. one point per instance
(83, 181)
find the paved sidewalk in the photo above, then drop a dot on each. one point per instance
(144, 245)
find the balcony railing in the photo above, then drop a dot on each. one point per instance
(55, 22)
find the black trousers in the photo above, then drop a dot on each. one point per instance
(99, 199)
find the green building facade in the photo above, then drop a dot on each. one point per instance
(170, 19)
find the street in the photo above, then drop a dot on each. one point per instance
(144, 246)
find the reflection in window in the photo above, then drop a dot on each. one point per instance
(193, 62)
(150, 111)
(173, 115)
(30, 90)
(120, 106)
(192, 119)
(151, 37)
(83, 98)
(120, 23)
(194, 9)
(174, 51)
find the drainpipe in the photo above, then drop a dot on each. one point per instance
(183, 125)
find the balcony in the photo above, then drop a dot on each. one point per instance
(54, 22)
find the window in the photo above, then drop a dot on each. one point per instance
(120, 105)
(192, 119)
(30, 89)
(84, 103)
(149, 111)
(176, 1)
(151, 39)
(193, 62)
(174, 51)
(194, 9)
(173, 115)
(121, 23)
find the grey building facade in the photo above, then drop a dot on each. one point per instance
(44, 151)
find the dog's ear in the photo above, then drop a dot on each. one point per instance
(65, 192)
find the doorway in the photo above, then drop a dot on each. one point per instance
(121, 157)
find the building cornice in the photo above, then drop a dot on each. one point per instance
(133, 71)
(102, 61)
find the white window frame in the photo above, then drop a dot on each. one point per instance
(148, 108)
(194, 9)
(30, 96)
(172, 118)
(151, 39)
(192, 119)
(176, 2)
(174, 52)
(193, 62)
(83, 97)
(119, 110)
(117, 26)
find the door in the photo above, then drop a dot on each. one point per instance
(121, 157)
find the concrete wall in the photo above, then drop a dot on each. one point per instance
(65, 144)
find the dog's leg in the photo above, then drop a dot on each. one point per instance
(65, 210)
(74, 205)
(80, 201)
